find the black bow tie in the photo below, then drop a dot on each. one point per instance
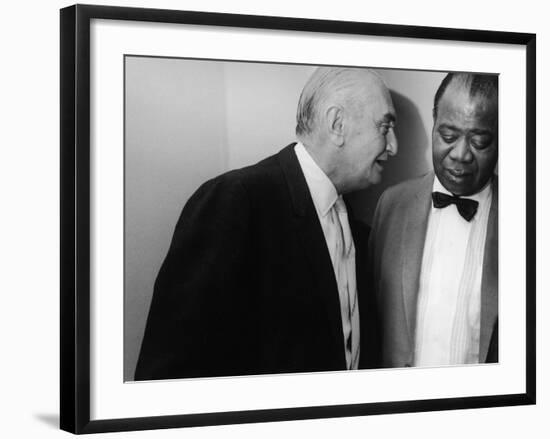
(466, 208)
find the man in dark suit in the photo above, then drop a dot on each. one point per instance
(260, 276)
(434, 244)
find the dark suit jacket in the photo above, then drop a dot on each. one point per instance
(248, 286)
(395, 253)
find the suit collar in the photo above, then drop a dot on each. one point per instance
(295, 180)
(322, 190)
(413, 238)
(309, 231)
(489, 280)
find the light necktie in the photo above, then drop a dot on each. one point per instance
(345, 272)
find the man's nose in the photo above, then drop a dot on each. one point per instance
(391, 143)
(461, 151)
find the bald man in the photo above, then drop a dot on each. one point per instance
(261, 273)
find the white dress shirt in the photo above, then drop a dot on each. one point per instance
(332, 214)
(449, 297)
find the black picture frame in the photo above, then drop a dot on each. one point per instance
(76, 210)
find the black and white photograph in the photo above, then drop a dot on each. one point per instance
(272, 219)
(293, 218)
(275, 219)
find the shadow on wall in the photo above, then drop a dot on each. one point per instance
(412, 160)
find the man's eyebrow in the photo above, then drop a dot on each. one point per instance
(447, 126)
(482, 132)
(477, 131)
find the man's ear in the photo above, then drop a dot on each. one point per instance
(335, 124)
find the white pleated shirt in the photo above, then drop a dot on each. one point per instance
(449, 297)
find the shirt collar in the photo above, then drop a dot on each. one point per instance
(322, 190)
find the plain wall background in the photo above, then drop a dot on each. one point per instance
(29, 224)
(188, 121)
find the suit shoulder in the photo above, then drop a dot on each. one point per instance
(237, 185)
(217, 197)
(240, 176)
(404, 191)
(264, 176)
(226, 183)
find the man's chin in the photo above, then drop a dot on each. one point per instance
(460, 188)
(373, 179)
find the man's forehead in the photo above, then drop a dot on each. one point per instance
(461, 92)
(380, 99)
(386, 111)
(459, 101)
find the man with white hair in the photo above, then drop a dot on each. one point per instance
(261, 273)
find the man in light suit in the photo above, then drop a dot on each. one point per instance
(261, 273)
(434, 244)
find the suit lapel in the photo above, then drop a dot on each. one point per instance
(489, 282)
(360, 234)
(368, 330)
(412, 248)
(314, 244)
(360, 238)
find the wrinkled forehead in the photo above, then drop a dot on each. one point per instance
(459, 101)
(382, 106)
(345, 85)
(373, 85)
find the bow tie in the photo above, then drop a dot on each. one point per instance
(466, 208)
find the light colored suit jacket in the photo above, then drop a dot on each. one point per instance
(395, 257)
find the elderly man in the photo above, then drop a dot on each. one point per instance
(434, 243)
(260, 276)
